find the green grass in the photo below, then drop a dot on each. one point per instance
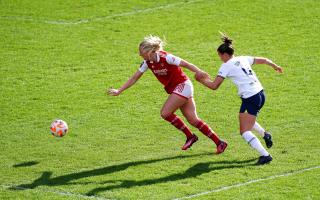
(119, 147)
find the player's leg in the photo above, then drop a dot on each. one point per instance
(174, 102)
(189, 111)
(247, 121)
(257, 127)
(266, 135)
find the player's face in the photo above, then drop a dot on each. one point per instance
(224, 57)
(149, 56)
(143, 54)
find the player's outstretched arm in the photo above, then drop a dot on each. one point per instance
(131, 81)
(215, 84)
(261, 60)
(202, 76)
(199, 73)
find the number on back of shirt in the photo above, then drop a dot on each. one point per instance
(248, 71)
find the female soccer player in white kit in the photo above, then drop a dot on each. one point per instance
(238, 69)
(167, 69)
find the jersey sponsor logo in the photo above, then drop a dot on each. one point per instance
(160, 72)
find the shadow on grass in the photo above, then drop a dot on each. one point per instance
(201, 168)
(26, 164)
(192, 172)
(47, 180)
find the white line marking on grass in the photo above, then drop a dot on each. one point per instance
(84, 21)
(247, 183)
(63, 193)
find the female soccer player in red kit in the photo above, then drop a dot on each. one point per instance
(239, 70)
(167, 69)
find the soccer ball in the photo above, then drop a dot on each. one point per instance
(59, 128)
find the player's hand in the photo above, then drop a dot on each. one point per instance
(113, 92)
(279, 69)
(200, 75)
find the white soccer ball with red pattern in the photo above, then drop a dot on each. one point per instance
(59, 128)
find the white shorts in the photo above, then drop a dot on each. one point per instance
(184, 89)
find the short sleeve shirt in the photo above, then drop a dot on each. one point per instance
(239, 70)
(171, 59)
(166, 69)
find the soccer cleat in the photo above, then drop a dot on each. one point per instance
(264, 160)
(268, 139)
(221, 147)
(189, 142)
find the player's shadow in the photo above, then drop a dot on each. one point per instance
(192, 172)
(46, 180)
(201, 168)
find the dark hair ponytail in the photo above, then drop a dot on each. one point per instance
(226, 46)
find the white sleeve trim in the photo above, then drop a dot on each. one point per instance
(173, 60)
(143, 67)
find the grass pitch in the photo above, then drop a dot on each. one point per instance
(58, 57)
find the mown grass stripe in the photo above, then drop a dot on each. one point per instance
(248, 182)
(63, 193)
(84, 21)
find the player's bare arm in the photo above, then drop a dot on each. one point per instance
(261, 60)
(199, 73)
(131, 81)
(212, 84)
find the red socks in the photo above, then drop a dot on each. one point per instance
(206, 130)
(202, 126)
(178, 123)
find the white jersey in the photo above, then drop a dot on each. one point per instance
(239, 70)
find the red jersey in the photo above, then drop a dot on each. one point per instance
(166, 70)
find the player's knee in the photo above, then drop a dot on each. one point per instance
(242, 130)
(164, 114)
(193, 121)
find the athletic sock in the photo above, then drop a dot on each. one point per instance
(206, 130)
(256, 127)
(179, 124)
(254, 143)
